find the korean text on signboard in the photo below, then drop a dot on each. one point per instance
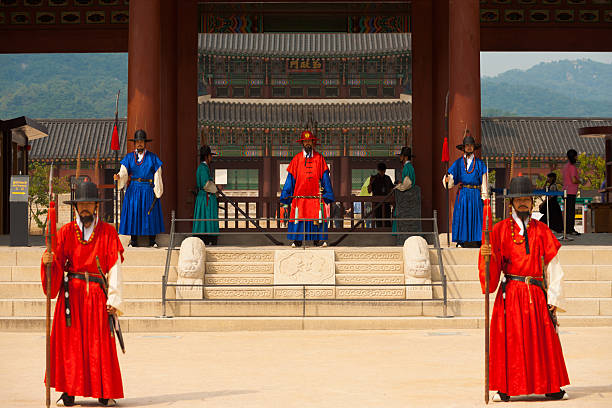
(305, 65)
(19, 188)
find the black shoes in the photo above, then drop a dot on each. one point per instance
(65, 400)
(107, 402)
(296, 244)
(501, 397)
(561, 395)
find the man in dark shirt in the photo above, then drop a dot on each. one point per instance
(381, 185)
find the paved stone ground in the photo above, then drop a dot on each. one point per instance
(309, 369)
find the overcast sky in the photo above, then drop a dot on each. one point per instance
(494, 63)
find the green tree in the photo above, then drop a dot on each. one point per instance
(39, 192)
(591, 171)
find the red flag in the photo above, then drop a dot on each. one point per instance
(445, 154)
(115, 139)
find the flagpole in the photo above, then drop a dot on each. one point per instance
(115, 146)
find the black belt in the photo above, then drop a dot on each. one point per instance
(83, 277)
(529, 280)
(143, 180)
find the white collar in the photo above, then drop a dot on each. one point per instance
(306, 155)
(86, 231)
(140, 155)
(519, 221)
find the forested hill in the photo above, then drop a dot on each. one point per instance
(85, 85)
(62, 85)
(561, 88)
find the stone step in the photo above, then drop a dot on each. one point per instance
(201, 324)
(130, 273)
(131, 290)
(313, 308)
(576, 289)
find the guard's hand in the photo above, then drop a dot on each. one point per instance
(110, 309)
(47, 258)
(116, 177)
(552, 308)
(485, 250)
(220, 187)
(446, 181)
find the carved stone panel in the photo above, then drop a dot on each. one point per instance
(239, 268)
(304, 267)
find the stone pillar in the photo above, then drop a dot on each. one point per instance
(267, 184)
(464, 61)
(144, 63)
(187, 107)
(423, 139)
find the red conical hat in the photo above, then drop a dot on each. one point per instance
(307, 135)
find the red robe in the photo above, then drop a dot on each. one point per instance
(83, 356)
(307, 176)
(531, 361)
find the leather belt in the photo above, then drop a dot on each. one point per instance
(85, 276)
(469, 186)
(141, 180)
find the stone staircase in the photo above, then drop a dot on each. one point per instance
(588, 289)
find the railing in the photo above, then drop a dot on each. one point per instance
(273, 217)
(303, 298)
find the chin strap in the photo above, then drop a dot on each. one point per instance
(526, 236)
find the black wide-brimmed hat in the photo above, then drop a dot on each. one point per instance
(406, 152)
(520, 187)
(140, 135)
(205, 151)
(468, 140)
(86, 192)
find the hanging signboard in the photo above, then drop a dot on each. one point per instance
(304, 65)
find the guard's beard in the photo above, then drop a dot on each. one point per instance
(523, 215)
(140, 151)
(308, 150)
(86, 219)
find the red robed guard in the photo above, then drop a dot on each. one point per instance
(526, 355)
(83, 352)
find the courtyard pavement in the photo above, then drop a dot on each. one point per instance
(418, 368)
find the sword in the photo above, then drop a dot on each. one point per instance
(112, 318)
(152, 205)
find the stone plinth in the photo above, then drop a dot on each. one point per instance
(191, 266)
(304, 267)
(417, 268)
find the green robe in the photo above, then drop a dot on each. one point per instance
(206, 205)
(407, 171)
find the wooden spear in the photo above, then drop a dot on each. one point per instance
(486, 299)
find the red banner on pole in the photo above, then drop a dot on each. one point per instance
(115, 139)
(445, 153)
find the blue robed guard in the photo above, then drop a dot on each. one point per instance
(141, 212)
(469, 174)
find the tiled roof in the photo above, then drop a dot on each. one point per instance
(66, 136)
(284, 114)
(540, 137)
(305, 44)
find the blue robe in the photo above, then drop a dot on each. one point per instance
(304, 178)
(139, 196)
(467, 214)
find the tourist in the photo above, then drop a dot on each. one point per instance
(306, 189)
(206, 205)
(380, 186)
(83, 352)
(570, 185)
(469, 174)
(555, 222)
(367, 205)
(141, 213)
(407, 199)
(525, 353)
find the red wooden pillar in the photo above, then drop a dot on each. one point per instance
(187, 106)
(464, 78)
(440, 90)
(168, 106)
(464, 56)
(144, 61)
(422, 139)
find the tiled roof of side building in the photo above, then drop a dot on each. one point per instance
(305, 44)
(390, 113)
(539, 137)
(67, 136)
